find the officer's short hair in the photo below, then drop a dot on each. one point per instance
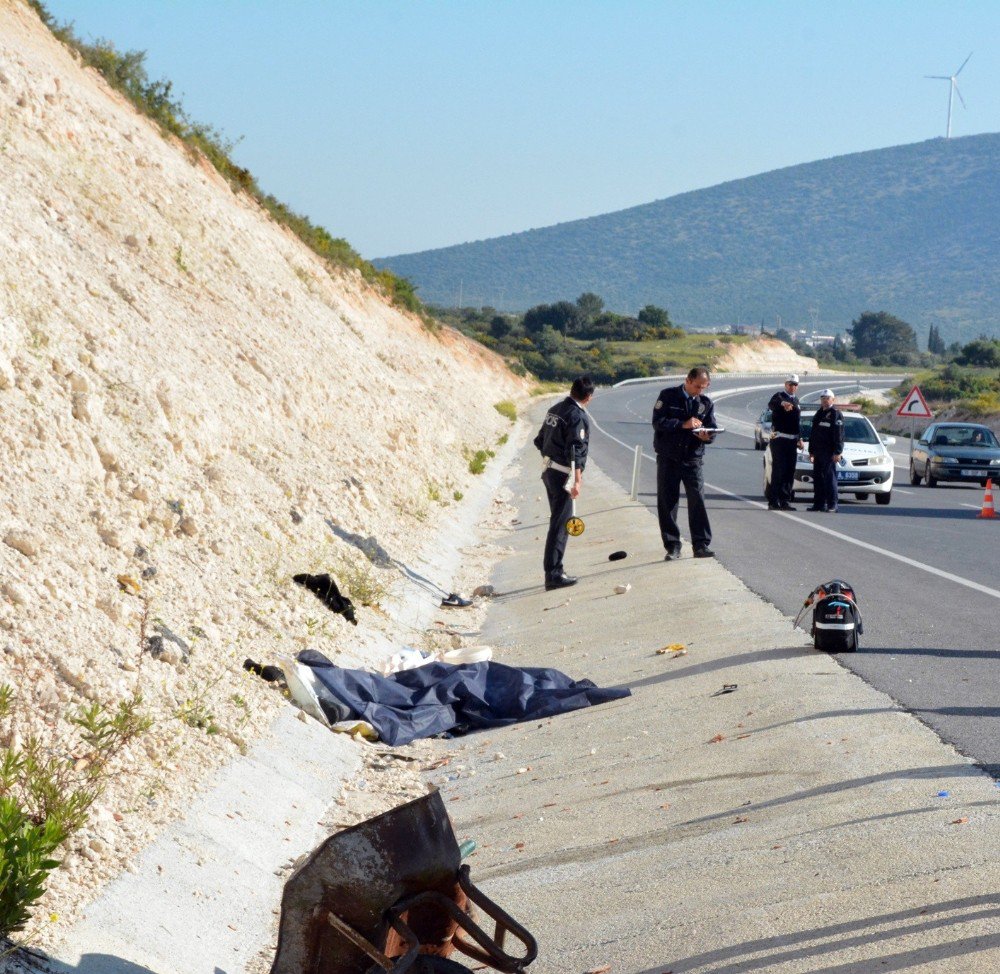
(698, 372)
(582, 388)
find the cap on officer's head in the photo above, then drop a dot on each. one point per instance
(793, 379)
(826, 394)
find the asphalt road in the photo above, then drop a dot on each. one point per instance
(924, 567)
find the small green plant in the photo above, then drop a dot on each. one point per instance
(46, 793)
(434, 492)
(458, 495)
(25, 859)
(478, 460)
(506, 409)
(195, 713)
(868, 406)
(502, 440)
(241, 704)
(361, 582)
(179, 259)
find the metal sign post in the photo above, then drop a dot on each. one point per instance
(914, 406)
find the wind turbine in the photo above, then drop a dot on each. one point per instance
(952, 90)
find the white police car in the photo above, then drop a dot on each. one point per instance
(865, 466)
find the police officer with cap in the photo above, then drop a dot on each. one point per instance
(786, 441)
(826, 447)
(563, 441)
(681, 417)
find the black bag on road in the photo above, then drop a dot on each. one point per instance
(837, 620)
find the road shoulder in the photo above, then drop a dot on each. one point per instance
(799, 822)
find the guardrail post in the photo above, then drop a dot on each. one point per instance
(634, 495)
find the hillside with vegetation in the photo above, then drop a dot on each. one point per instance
(557, 342)
(914, 229)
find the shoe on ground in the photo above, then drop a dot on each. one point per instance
(773, 507)
(455, 601)
(704, 553)
(815, 508)
(673, 553)
(833, 510)
(559, 581)
(788, 507)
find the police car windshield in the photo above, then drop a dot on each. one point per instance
(856, 430)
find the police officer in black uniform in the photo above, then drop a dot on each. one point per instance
(679, 441)
(826, 447)
(563, 441)
(786, 441)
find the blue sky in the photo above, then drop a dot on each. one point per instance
(409, 125)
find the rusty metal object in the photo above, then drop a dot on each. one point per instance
(390, 890)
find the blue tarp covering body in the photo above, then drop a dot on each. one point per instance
(440, 697)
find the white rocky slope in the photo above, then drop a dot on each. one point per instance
(191, 400)
(765, 355)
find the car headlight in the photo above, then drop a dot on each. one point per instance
(882, 460)
(946, 460)
(995, 463)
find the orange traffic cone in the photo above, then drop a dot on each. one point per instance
(987, 510)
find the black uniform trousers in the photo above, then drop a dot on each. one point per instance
(783, 456)
(825, 493)
(560, 511)
(670, 474)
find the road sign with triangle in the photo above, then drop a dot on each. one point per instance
(914, 405)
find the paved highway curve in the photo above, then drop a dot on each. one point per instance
(924, 567)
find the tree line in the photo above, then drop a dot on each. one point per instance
(561, 340)
(881, 339)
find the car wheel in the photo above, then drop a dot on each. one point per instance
(914, 476)
(883, 499)
(861, 497)
(928, 479)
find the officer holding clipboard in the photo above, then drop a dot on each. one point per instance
(683, 422)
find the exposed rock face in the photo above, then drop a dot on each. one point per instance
(765, 355)
(177, 374)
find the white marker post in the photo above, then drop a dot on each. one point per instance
(634, 494)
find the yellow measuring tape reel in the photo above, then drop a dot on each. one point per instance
(575, 525)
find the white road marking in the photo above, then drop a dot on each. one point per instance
(875, 549)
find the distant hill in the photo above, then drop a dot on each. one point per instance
(913, 230)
